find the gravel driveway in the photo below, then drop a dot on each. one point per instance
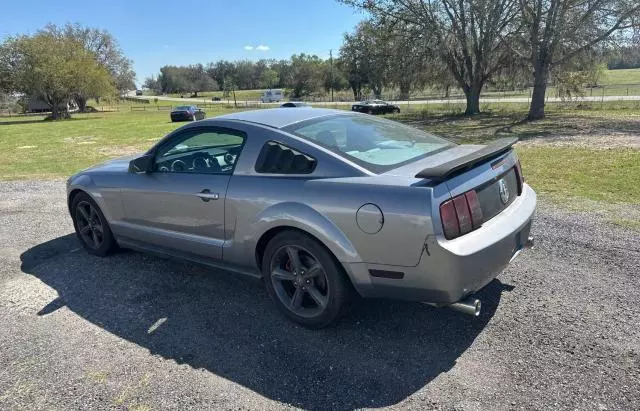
(560, 329)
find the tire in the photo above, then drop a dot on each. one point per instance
(92, 228)
(291, 288)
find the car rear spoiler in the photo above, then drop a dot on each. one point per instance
(448, 169)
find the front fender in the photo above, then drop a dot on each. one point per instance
(85, 183)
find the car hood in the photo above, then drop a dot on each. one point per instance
(120, 164)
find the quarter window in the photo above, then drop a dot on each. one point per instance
(276, 158)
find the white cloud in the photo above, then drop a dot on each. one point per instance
(262, 47)
(248, 48)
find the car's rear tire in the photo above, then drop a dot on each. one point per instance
(305, 280)
(92, 228)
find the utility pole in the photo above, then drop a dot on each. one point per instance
(331, 73)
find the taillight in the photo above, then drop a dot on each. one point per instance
(449, 220)
(461, 214)
(474, 207)
(519, 176)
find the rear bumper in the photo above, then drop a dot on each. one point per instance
(449, 270)
(181, 117)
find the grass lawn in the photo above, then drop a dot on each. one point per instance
(46, 149)
(590, 153)
(609, 176)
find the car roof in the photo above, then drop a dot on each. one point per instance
(279, 117)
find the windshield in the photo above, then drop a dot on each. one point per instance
(376, 144)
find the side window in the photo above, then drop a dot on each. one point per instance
(201, 151)
(276, 158)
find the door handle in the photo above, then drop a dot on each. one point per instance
(206, 195)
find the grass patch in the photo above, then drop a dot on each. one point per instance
(598, 172)
(602, 175)
(584, 153)
(52, 149)
(627, 223)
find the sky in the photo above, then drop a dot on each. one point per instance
(156, 33)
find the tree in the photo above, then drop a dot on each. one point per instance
(107, 52)
(366, 54)
(173, 79)
(305, 75)
(469, 34)
(269, 78)
(220, 71)
(55, 70)
(198, 80)
(555, 31)
(152, 84)
(7, 67)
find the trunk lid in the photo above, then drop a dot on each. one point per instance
(490, 170)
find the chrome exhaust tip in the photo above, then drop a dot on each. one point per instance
(471, 306)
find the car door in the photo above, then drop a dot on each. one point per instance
(180, 204)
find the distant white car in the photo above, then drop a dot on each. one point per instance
(271, 96)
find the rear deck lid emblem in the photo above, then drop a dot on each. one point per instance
(503, 190)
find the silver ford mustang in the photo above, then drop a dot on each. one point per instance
(323, 205)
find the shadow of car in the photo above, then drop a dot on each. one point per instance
(227, 325)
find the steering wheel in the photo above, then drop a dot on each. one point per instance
(178, 165)
(201, 161)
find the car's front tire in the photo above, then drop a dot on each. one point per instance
(91, 226)
(304, 280)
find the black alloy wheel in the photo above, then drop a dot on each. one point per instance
(300, 281)
(305, 280)
(92, 228)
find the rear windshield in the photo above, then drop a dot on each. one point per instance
(376, 144)
(182, 108)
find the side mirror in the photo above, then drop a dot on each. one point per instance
(142, 164)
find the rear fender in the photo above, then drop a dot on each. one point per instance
(305, 218)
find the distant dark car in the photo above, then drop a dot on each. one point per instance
(375, 107)
(215, 98)
(295, 104)
(187, 113)
(138, 92)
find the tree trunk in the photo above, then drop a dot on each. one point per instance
(55, 111)
(82, 103)
(404, 91)
(377, 91)
(357, 91)
(540, 79)
(473, 99)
